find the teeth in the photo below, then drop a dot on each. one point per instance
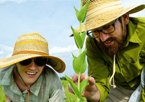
(108, 41)
(30, 73)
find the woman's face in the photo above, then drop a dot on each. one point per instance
(29, 73)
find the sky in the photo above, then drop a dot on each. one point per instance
(50, 18)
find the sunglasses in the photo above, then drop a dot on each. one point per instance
(39, 61)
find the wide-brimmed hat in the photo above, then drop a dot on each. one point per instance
(102, 12)
(32, 45)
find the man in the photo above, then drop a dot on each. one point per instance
(115, 51)
(28, 75)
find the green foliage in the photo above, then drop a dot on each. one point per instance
(74, 87)
(79, 63)
(83, 85)
(77, 37)
(83, 36)
(69, 96)
(63, 78)
(81, 15)
(2, 95)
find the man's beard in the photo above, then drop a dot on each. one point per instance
(117, 45)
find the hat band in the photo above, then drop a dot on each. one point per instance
(104, 8)
(36, 42)
(32, 52)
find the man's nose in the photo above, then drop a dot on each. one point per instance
(103, 36)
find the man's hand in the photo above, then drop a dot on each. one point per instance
(91, 92)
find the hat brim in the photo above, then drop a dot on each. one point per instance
(53, 61)
(106, 18)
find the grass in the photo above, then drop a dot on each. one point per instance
(64, 84)
(2, 95)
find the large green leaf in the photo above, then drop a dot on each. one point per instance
(84, 66)
(76, 70)
(79, 63)
(77, 38)
(83, 36)
(77, 12)
(83, 85)
(82, 14)
(74, 87)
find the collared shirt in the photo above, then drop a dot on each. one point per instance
(47, 88)
(129, 60)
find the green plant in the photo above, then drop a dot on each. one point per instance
(2, 95)
(79, 63)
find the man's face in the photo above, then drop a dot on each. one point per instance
(30, 73)
(112, 42)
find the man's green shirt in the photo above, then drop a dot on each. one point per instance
(129, 60)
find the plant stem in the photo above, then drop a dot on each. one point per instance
(81, 3)
(79, 75)
(80, 50)
(78, 85)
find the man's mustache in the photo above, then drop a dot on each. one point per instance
(109, 39)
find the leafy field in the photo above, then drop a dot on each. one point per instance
(2, 95)
(67, 93)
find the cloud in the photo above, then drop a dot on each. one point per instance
(5, 51)
(62, 49)
(17, 1)
(1, 52)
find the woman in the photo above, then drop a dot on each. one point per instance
(27, 76)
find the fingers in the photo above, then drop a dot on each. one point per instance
(89, 89)
(70, 88)
(74, 77)
(82, 77)
(91, 81)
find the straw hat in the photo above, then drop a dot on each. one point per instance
(29, 46)
(102, 12)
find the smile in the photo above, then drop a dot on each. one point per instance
(30, 73)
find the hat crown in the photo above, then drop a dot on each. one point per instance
(31, 42)
(97, 7)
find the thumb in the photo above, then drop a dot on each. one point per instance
(91, 81)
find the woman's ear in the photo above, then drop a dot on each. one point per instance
(126, 18)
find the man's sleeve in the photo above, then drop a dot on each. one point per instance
(98, 69)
